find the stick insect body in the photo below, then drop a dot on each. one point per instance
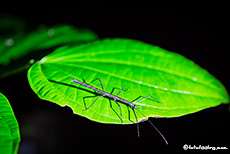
(116, 100)
(106, 94)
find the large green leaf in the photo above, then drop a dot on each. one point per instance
(21, 44)
(9, 130)
(141, 68)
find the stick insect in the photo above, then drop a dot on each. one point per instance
(120, 100)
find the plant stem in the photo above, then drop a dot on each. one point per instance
(17, 70)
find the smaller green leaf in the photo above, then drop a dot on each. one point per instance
(9, 130)
(21, 44)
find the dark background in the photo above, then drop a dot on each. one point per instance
(200, 33)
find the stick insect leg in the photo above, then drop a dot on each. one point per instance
(85, 98)
(148, 97)
(119, 108)
(99, 81)
(117, 103)
(115, 111)
(138, 132)
(93, 101)
(128, 108)
(120, 91)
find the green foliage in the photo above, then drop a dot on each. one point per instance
(16, 46)
(141, 68)
(9, 131)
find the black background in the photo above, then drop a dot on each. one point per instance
(200, 33)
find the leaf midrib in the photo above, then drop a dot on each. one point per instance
(71, 59)
(114, 75)
(207, 84)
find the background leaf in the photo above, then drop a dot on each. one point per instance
(141, 68)
(16, 46)
(9, 130)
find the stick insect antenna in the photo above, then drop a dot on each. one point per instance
(158, 131)
(154, 127)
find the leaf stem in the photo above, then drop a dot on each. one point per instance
(17, 70)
